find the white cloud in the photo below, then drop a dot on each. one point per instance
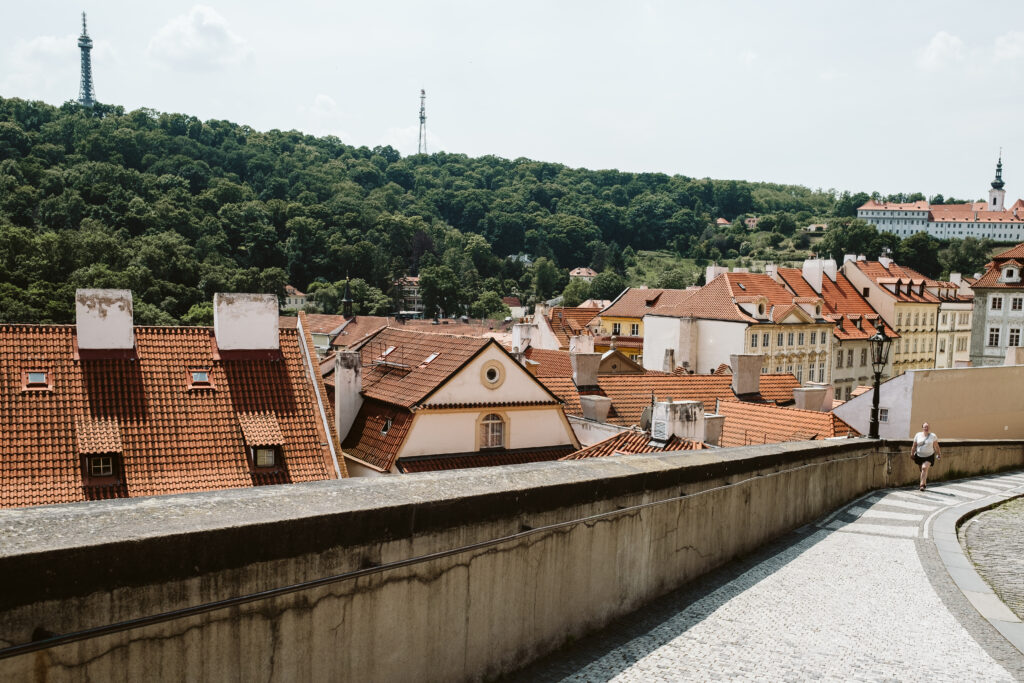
(199, 40)
(323, 117)
(943, 50)
(748, 57)
(1009, 46)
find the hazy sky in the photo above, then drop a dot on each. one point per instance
(888, 96)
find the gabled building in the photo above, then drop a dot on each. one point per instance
(991, 219)
(583, 273)
(999, 308)
(854, 320)
(409, 401)
(740, 313)
(910, 303)
(294, 300)
(106, 409)
(621, 323)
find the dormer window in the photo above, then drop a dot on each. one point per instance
(36, 379)
(199, 378)
(760, 310)
(387, 427)
(101, 466)
(265, 456)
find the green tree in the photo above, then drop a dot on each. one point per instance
(920, 251)
(607, 285)
(489, 305)
(440, 288)
(546, 277)
(966, 256)
(576, 292)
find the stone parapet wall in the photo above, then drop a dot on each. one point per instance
(442, 576)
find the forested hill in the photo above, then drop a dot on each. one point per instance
(176, 209)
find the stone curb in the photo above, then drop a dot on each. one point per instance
(961, 569)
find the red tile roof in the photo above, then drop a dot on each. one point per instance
(403, 376)
(357, 328)
(550, 363)
(907, 282)
(843, 304)
(993, 270)
(720, 298)
(778, 387)
(261, 429)
(636, 303)
(318, 323)
(171, 438)
(872, 205)
(583, 272)
(753, 423)
(377, 434)
(455, 461)
(632, 442)
(292, 291)
(569, 322)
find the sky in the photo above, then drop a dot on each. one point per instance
(903, 96)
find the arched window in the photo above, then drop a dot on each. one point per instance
(492, 431)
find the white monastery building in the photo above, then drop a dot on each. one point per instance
(977, 219)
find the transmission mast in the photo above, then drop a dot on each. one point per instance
(422, 149)
(86, 96)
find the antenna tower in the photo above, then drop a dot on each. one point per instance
(422, 149)
(86, 96)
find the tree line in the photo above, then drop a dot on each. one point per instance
(176, 209)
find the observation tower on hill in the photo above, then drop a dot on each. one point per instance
(86, 96)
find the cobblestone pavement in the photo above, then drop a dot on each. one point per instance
(995, 543)
(859, 595)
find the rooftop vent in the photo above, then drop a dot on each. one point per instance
(103, 319)
(246, 322)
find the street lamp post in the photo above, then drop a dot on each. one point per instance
(880, 344)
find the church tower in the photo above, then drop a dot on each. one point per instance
(997, 194)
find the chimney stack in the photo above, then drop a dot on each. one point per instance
(595, 407)
(813, 270)
(584, 369)
(746, 372)
(348, 386)
(246, 322)
(885, 261)
(810, 397)
(521, 333)
(583, 343)
(103, 319)
(669, 363)
(713, 425)
(684, 419)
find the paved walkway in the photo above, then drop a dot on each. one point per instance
(859, 595)
(995, 543)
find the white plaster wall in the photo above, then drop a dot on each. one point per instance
(467, 386)
(589, 432)
(436, 432)
(661, 333)
(896, 395)
(716, 341)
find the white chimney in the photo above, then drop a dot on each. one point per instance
(583, 343)
(713, 271)
(812, 272)
(829, 267)
(595, 407)
(746, 372)
(849, 258)
(713, 426)
(885, 261)
(772, 271)
(103, 319)
(669, 363)
(684, 419)
(955, 278)
(246, 322)
(809, 398)
(584, 368)
(521, 333)
(348, 385)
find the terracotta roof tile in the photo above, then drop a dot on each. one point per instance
(396, 367)
(778, 387)
(357, 328)
(630, 443)
(454, 461)
(753, 423)
(260, 429)
(843, 304)
(907, 281)
(635, 302)
(97, 435)
(550, 363)
(569, 322)
(318, 323)
(377, 434)
(717, 300)
(173, 439)
(993, 270)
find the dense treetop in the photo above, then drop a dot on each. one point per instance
(176, 209)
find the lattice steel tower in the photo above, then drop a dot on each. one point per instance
(86, 97)
(422, 149)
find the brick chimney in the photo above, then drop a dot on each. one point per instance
(684, 419)
(103, 319)
(348, 386)
(746, 372)
(246, 322)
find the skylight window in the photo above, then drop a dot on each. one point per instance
(387, 351)
(742, 286)
(431, 357)
(200, 377)
(37, 379)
